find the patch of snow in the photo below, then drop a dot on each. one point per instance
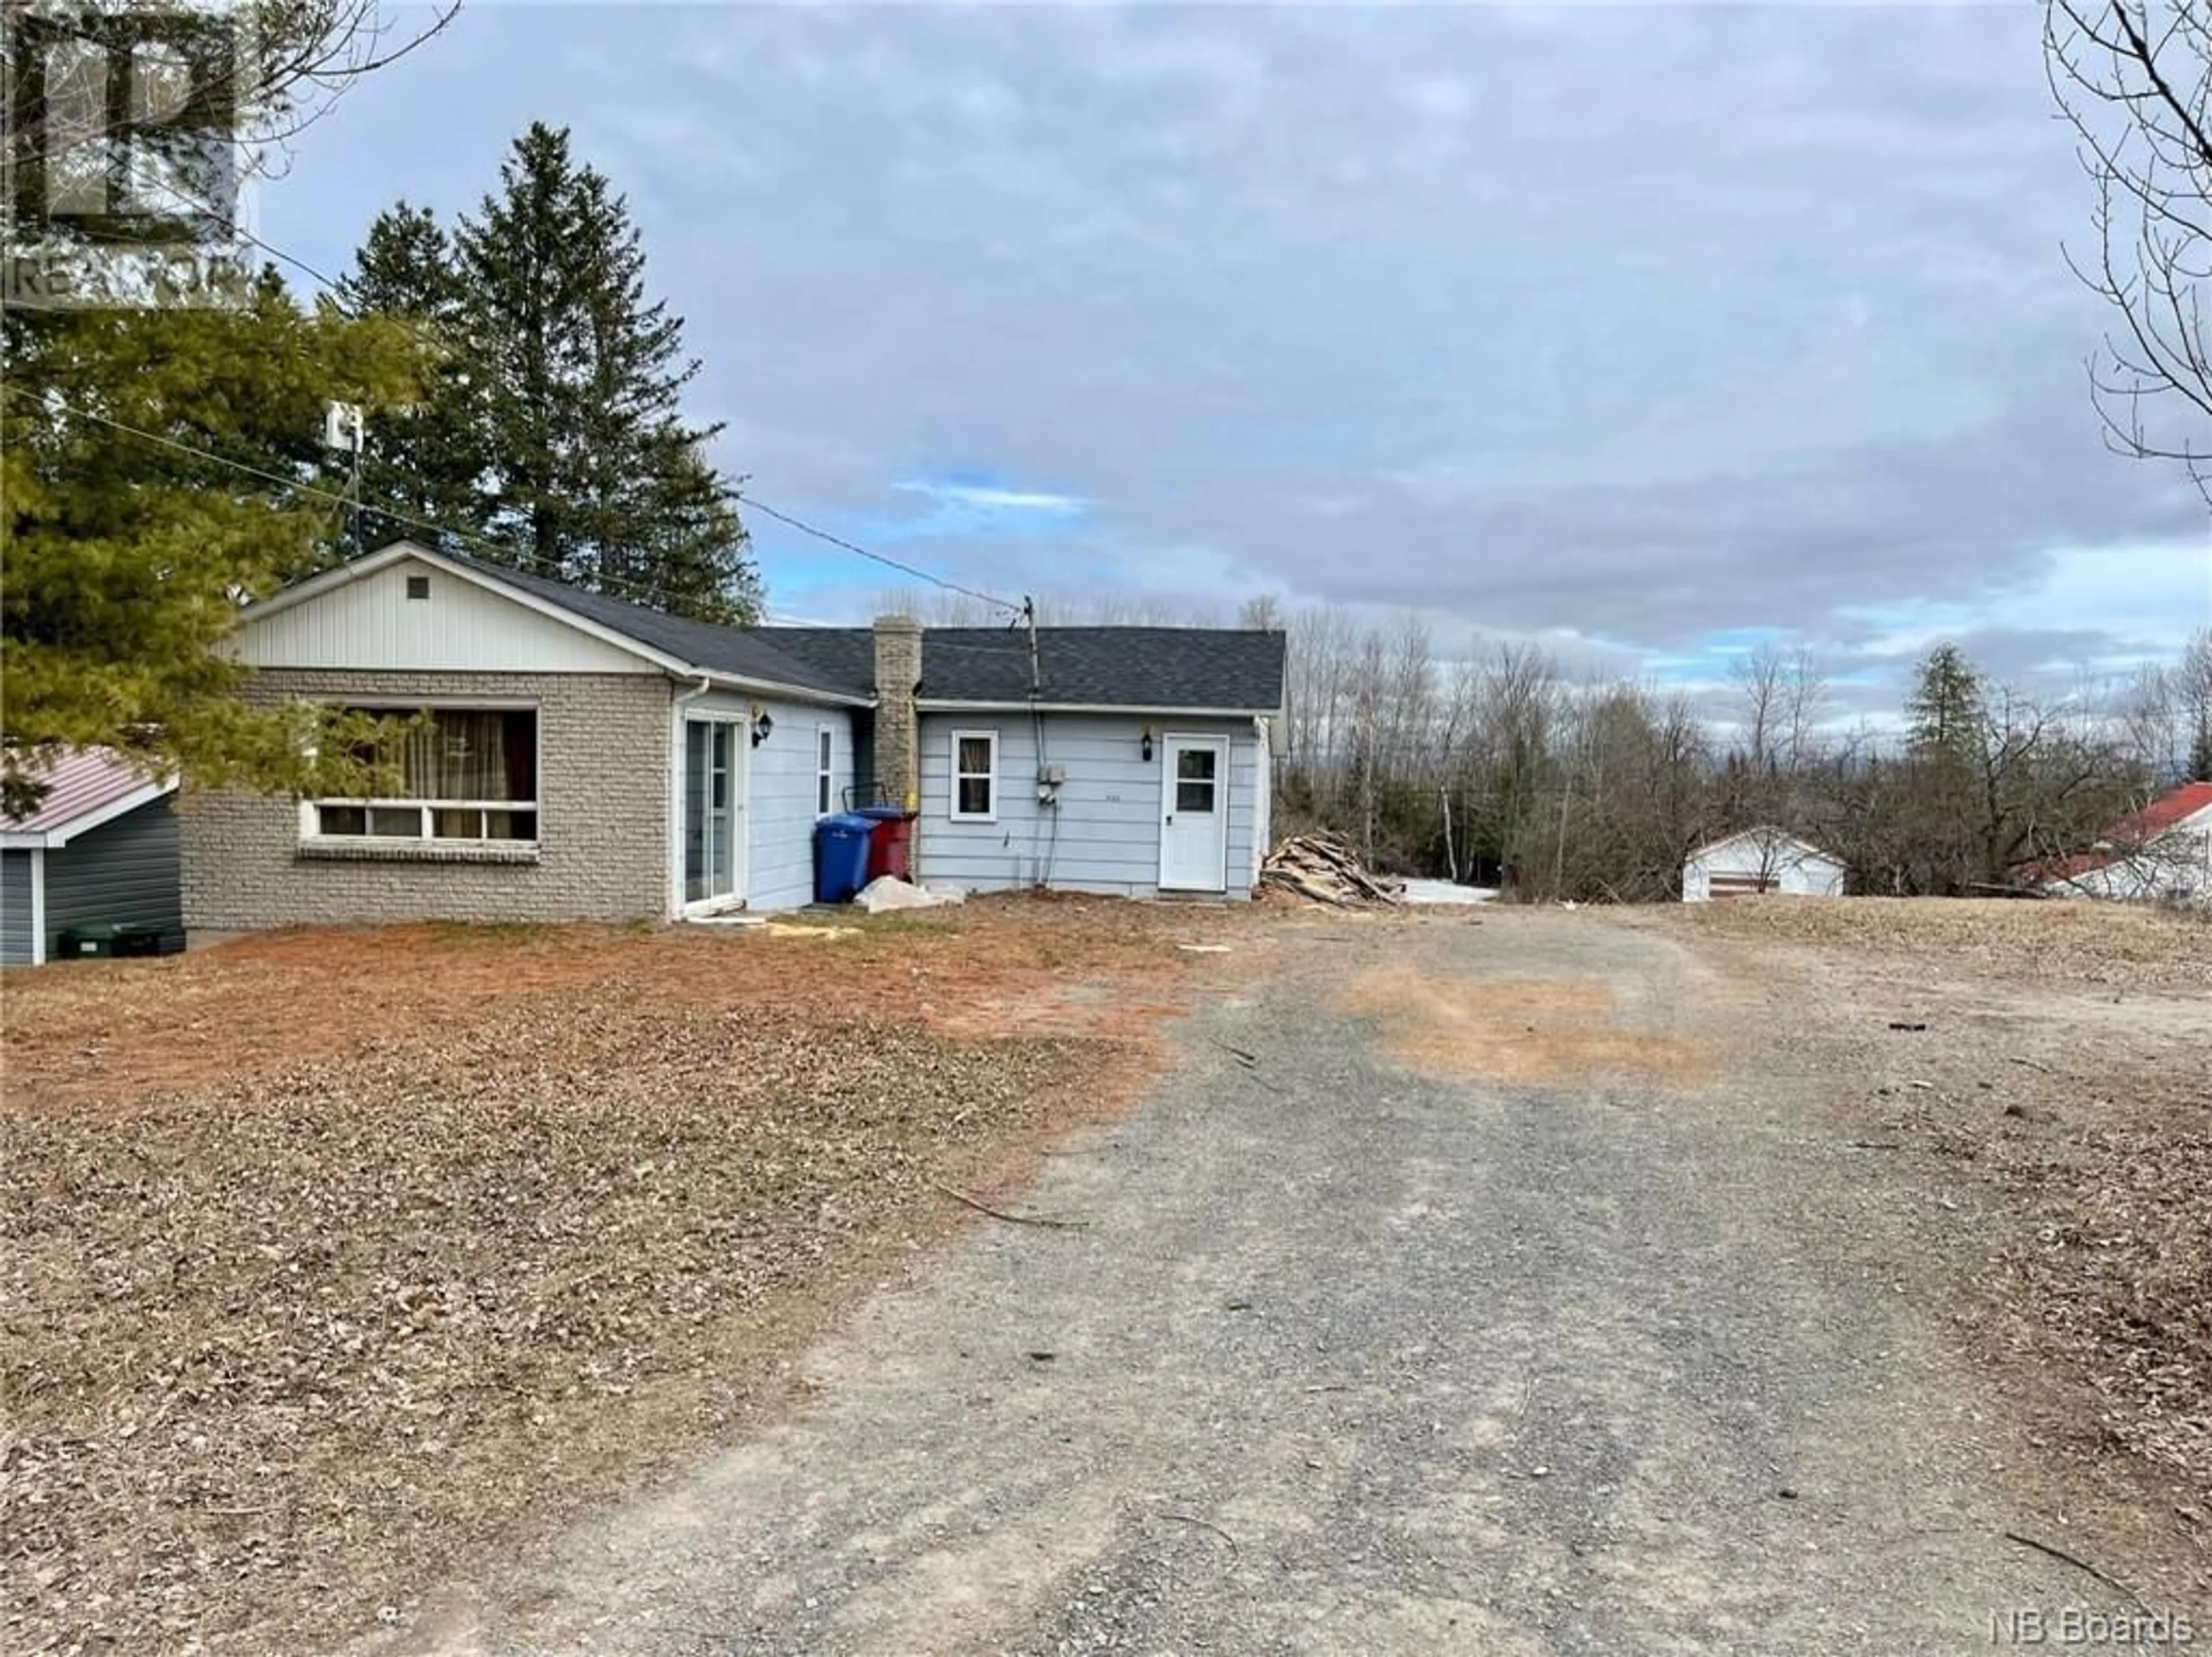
(1444, 892)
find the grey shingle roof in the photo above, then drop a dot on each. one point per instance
(1162, 667)
(1238, 669)
(1113, 667)
(741, 652)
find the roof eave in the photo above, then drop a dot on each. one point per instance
(752, 686)
(52, 839)
(1772, 834)
(489, 580)
(1023, 704)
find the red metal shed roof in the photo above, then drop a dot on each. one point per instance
(78, 786)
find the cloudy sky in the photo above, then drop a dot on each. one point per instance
(1651, 330)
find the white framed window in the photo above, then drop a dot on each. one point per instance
(975, 777)
(825, 770)
(465, 774)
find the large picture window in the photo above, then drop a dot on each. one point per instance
(975, 777)
(463, 774)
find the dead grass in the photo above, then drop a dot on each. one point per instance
(330, 1262)
(2066, 1064)
(1527, 1031)
(83, 1033)
(2123, 945)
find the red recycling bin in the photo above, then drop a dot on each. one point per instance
(890, 843)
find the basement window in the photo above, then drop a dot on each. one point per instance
(465, 775)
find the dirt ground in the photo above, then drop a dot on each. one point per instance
(1528, 1283)
(1515, 1030)
(335, 1265)
(2042, 1074)
(330, 1262)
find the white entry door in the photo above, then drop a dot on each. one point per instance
(1195, 814)
(713, 812)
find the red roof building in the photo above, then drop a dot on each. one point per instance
(2163, 850)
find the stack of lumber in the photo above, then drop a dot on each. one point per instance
(1328, 871)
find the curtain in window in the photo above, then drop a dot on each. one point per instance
(972, 775)
(470, 754)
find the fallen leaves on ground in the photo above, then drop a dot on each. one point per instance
(86, 1032)
(2118, 1264)
(328, 1263)
(2065, 1057)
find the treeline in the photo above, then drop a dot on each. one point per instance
(1507, 770)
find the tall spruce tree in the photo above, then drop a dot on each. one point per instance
(556, 420)
(1943, 714)
(1945, 777)
(420, 465)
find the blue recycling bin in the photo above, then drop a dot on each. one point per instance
(841, 857)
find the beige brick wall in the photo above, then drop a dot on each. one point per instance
(602, 829)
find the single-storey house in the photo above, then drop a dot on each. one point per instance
(585, 757)
(99, 848)
(1758, 861)
(2163, 851)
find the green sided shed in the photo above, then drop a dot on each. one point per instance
(96, 861)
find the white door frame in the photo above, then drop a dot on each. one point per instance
(37, 905)
(741, 772)
(1169, 742)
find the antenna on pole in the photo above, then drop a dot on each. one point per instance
(344, 432)
(344, 427)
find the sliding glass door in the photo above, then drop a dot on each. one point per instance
(710, 810)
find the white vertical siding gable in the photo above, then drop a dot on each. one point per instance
(461, 627)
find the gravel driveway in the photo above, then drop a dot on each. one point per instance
(1360, 1348)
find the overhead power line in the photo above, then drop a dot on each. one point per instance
(918, 574)
(497, 552)
(333, 285)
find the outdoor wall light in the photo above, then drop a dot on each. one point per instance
(762, 724)
(1148, 743)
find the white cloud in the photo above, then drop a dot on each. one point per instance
(1622, 323)
(994, 498)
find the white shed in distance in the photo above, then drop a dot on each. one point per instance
(1758, 861)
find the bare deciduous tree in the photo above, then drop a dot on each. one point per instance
(2134, 79)
(284, 61)
(1599, 789)
(1762, 690)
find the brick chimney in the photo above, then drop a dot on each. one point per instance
(898, 734)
